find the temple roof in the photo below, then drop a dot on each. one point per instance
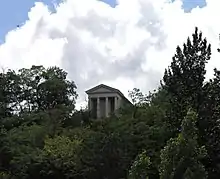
(105, 89)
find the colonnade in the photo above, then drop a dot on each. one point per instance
(107, 105)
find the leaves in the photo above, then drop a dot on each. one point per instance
(170, 133)
(181, 157)
(140, 167)
(184, 79)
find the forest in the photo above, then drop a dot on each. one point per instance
(172, 132)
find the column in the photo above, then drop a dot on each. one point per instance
(98, 108)
(106, 107)
(90, 104)
(116, 103)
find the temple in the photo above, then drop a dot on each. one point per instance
(104, 100)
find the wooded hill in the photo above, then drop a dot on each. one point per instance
(171, 133)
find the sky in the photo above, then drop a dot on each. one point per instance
(13, 15)
(123, 43)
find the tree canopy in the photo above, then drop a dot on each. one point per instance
(170, 133)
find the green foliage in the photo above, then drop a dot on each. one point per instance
(137, 97)
(184, 79)
(181, 157)
(22, 144)
(140, 167)
(36, 89)
(134, 134)
(43, 136)
(4, 175)
(209, 125)
(60, 157)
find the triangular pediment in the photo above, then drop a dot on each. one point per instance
(101, 89)
(105, 89)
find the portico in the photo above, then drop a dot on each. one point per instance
(103, 106)
(104, 100)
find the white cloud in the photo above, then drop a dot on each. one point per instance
(125, 47)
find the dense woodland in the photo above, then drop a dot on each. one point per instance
(170, 133)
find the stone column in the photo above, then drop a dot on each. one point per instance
(106, 107)
(90, 104)
(98, 108)
(116, 103)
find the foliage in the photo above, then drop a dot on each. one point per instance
(181, 157)
(137, 96)
(140, 167)
(209, 124)
(184, 79)
(42, 135)
(59, 157)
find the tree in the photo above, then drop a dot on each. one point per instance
(59, 158)
(131, 136)
(56, 90)
(140, 167)
(33, 102)
(9, 93)
(137, 97)
(181, 157)
(44, 89)
(184, 79)
(139, 100)
(20, 146)
(43, 136)
(209, 124)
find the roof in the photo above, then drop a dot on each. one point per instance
(109, 88)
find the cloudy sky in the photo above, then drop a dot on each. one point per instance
(123, 43)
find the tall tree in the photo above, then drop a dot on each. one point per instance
(44, 89)
(184, 79)
(209, 124)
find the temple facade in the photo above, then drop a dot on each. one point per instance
(104, 100)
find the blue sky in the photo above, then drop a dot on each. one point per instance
(14, 12)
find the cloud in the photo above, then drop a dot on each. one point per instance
(126, 46)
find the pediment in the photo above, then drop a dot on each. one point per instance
(101, 89)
